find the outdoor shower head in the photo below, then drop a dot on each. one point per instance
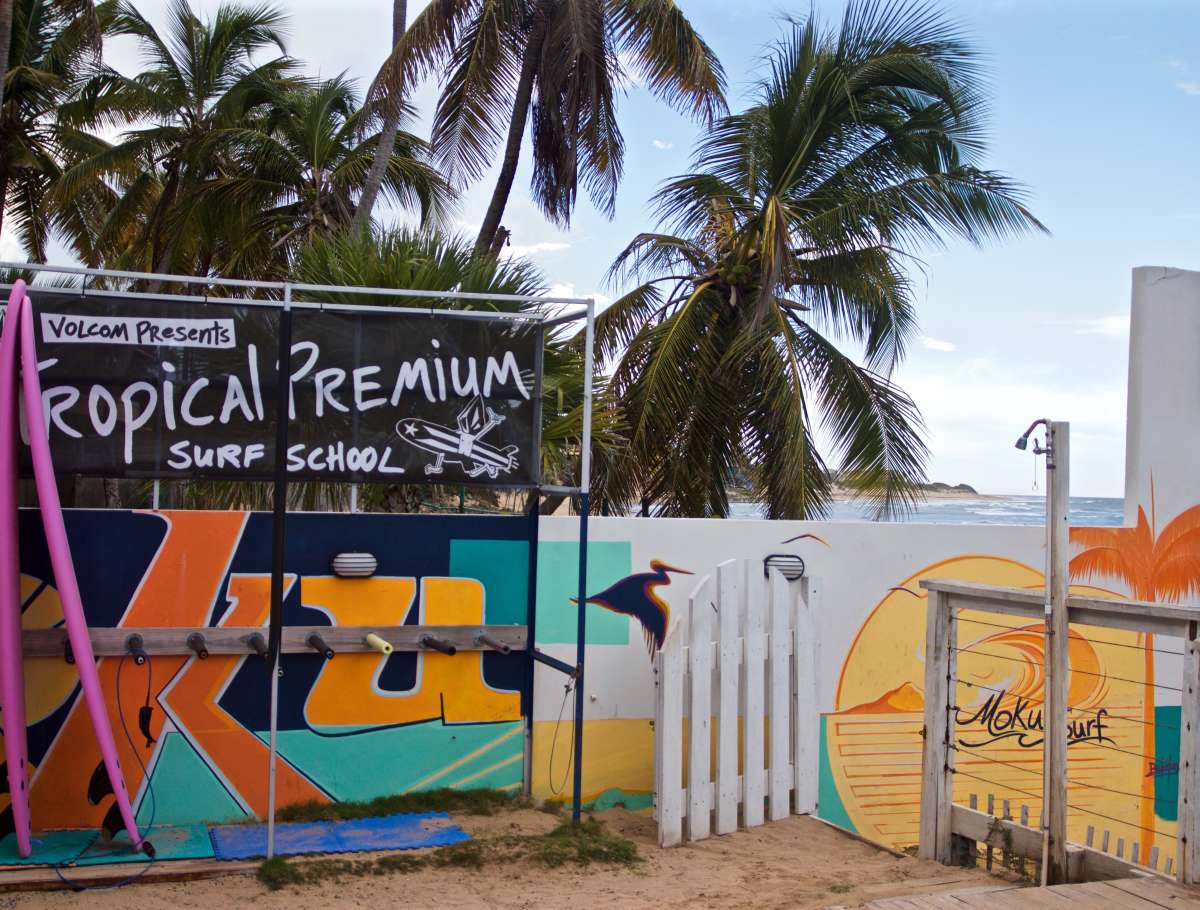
(1023, 441)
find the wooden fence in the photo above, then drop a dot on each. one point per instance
(736, 706)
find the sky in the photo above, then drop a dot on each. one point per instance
(1096, 110)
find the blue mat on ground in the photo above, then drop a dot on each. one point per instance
(84, 848)
(405, 831)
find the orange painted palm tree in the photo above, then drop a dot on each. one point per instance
(1156, 566)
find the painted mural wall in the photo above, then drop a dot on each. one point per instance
(365, 725)
(354, 727)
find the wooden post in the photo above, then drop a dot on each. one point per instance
(731, 576)
(700, 710)
(937, 758)
(806, 721)
(668, 733)
(779, 698)
(1057, 669)
(1187, 865)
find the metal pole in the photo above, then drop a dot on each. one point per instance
(585, 469)
(1057, 669)
(278, 540)
(531, 625)
(287, 287)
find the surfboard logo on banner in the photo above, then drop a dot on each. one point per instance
(466, 445)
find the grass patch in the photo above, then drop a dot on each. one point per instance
(466, 802)
(568, 844)
(841, 889)
(583, 844)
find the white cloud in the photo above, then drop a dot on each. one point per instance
(1178, 65)
(975, 407)
(532, 249)
(1110, 326)
(936, 344)
(1188, 86)
(566, 289)
(10, 247)
(662, 145)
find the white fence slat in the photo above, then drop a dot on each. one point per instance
(731, 576)
(806, 722)
(669, 739)
(779, 697)
(700, 710)
(753, 680)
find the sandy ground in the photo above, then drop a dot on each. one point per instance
(795, 863)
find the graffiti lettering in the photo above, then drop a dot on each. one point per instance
(1022, 722)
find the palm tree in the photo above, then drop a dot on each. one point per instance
(393, 115)
(201, 77)
(299, 168)
(573, 56)
(404, 258)
(53, 49)
(788, 238)
(1156, 566)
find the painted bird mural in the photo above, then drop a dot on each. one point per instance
(635, 595)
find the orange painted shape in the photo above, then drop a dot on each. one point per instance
(179, 588)
(237, 754)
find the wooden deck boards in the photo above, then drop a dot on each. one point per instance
(1124, 894)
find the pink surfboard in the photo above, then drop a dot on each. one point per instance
(64, 573)
(12, 680)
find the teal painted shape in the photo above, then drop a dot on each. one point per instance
(616, 797)
(49, 848)
(829, 802)
(83, 848)
(173, 842)
(185, 789)
(1167, 721)
(388, 761)
(558, 582)
(502, 567)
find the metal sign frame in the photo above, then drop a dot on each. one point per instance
(584, 309)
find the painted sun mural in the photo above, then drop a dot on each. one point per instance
(871, 755)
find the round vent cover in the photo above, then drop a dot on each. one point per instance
(354, 565)
(789, 565)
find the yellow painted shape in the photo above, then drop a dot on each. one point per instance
(347, 692)
(49, 681)
(618, 753)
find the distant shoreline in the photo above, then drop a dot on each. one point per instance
(931, 493)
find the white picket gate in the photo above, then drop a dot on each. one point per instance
(745, 651)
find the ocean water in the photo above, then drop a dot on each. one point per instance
(1086, 511)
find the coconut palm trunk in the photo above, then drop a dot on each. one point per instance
(387, 136)
(512, 146)
(6, 22)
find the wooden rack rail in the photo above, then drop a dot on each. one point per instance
(224, 641)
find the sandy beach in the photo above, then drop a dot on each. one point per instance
(796, 863)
